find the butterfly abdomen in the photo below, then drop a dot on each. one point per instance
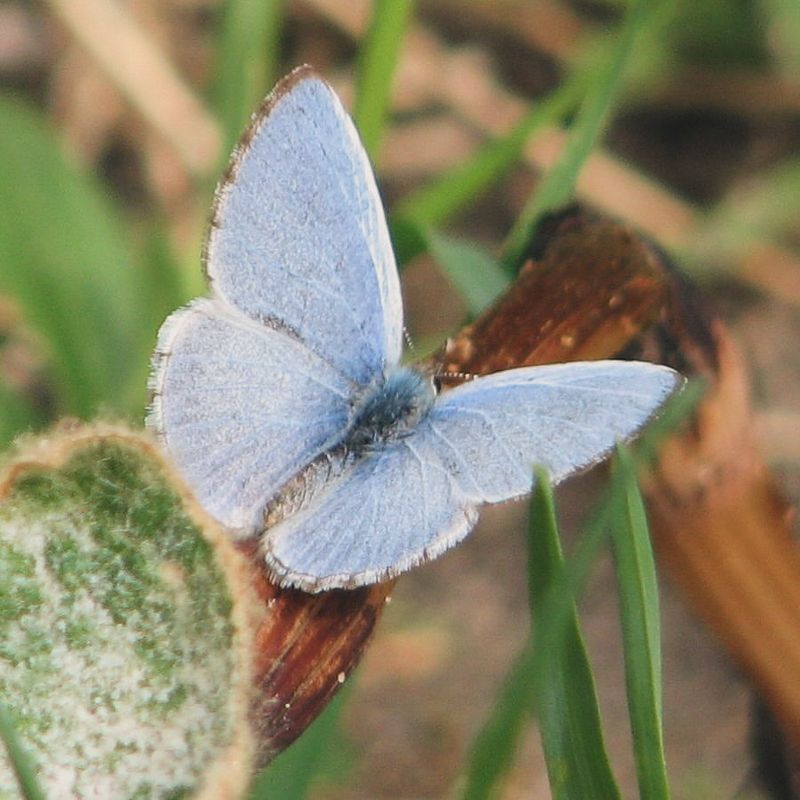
(303, 487)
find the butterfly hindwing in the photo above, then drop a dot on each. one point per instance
(233, 401)
(564, 417)
(396, 508)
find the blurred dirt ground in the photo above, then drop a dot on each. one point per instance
(701, 135)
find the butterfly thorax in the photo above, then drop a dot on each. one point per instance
(386, 411)
(390, 409)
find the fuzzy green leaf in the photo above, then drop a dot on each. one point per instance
(117, 626)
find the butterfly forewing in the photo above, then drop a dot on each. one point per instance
(565, 417)
(298, 236)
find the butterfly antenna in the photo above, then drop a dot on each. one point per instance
(409, 341)
(457, 376)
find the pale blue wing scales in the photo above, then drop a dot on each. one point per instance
(415, 498)
(241, 407)
(298, 235)
(395, 509)
(491, 432)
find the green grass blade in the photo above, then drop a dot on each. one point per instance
(554, 593)
(638, 599)
(247, 56)
(545, 558)
(782, 20)
(377, 60)
(293, 771)
(449, 193)
(557, 187)
(476, 275)
(569, 719)
(20, 761)
(556, 604)
(409, 239)
(65, 261)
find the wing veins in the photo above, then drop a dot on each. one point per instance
(555, 418)
(499, 439)
(411, 449)
(456, 453)
(311, 377)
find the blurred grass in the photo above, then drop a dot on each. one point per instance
(477, 276)
(762, 209)
(671, 416)
(377, 59)
(558, 186)
(441, 199)
(248, 50)
(16, 414)
(65, 260)
(782, 19)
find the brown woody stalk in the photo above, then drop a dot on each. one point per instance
(595, 289)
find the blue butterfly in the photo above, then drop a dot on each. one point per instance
(281, 396)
